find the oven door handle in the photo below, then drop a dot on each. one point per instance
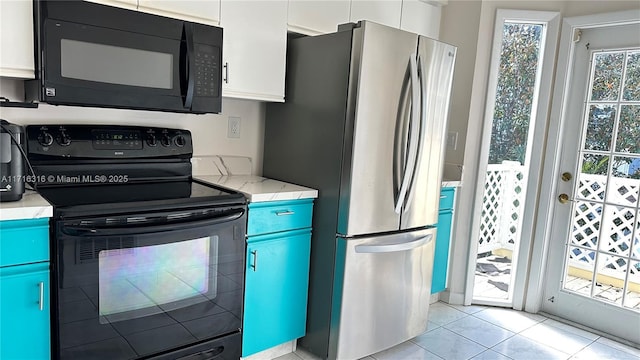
(140, 229)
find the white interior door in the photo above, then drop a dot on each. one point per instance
(593, 269)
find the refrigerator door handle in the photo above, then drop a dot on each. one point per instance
(412, 156)
(421, 130)
(393, 247)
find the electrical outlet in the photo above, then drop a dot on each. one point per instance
(233, 131)
(452, 140)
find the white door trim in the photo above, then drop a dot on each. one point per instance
(551, 169)
(540, 113)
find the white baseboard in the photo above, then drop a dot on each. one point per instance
(273, 352)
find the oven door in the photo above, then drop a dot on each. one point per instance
(142, 285)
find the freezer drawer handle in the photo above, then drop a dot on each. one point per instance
(409, 245)
(285, 212)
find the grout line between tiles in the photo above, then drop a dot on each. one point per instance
(485, 346)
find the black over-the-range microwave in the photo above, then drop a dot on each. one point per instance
(89, 54)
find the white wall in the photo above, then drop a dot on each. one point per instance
(464, 13)
(209, 131)
(458, 25)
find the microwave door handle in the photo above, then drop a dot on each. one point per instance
(190, 59)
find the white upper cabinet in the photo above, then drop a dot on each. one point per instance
(421, 17)
(254, 49)
(16, 39)
(202, 11)
(314, 17)
(127, 4)
(386, 12)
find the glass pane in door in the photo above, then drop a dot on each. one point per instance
(603, 259)
(505, 186)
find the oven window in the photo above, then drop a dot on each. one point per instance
(142, 281)
(116, 65)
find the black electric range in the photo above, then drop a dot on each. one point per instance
(145, 261)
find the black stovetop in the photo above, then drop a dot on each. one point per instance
(87, 170)
(85, 199)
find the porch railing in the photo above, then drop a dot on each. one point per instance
(608, 229)
(502, 206)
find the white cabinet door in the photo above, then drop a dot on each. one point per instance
(127, 4)
(202, 11)
(16, 39)
(314, 17)
(421, 18)
(254, 49)
(386, 12)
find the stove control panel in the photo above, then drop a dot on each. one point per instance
(108, 142)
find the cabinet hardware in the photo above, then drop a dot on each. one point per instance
(41, 301)
(284, 212)
(226, 72)
(254, 266)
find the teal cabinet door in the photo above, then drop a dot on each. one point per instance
(277, 279)
(441, 252)
(443, 241)
(24, 312)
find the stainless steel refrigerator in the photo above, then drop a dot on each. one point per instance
(364, 122)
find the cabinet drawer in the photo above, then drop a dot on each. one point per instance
(274, 216)
(24, 241)
(446, 198)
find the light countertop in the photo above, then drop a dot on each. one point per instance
(31, 206)
(451, 183)
(258, 189)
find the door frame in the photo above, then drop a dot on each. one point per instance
(540, 112)
(551, 167)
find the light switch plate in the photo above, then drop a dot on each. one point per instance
(452, 140)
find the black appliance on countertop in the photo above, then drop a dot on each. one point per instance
(12, 174)
(90, 54)
(146, 262)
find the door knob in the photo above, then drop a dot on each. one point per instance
(566, 176)
(563, 198)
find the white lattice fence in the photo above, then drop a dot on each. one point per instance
(502, 206)
(605, 221)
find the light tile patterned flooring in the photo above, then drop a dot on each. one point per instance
(493, 276)
(479, 333)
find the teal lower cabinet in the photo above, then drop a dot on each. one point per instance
(24, 290)
(443, 241)
(276, 274)
(277, 280)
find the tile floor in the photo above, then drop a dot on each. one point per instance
(483, 333)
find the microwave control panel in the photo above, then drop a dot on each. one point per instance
(207, 60)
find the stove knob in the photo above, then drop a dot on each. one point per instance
(180, 141)
(166, 140)
(64, 139)
(45, 139)
(151, 140)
